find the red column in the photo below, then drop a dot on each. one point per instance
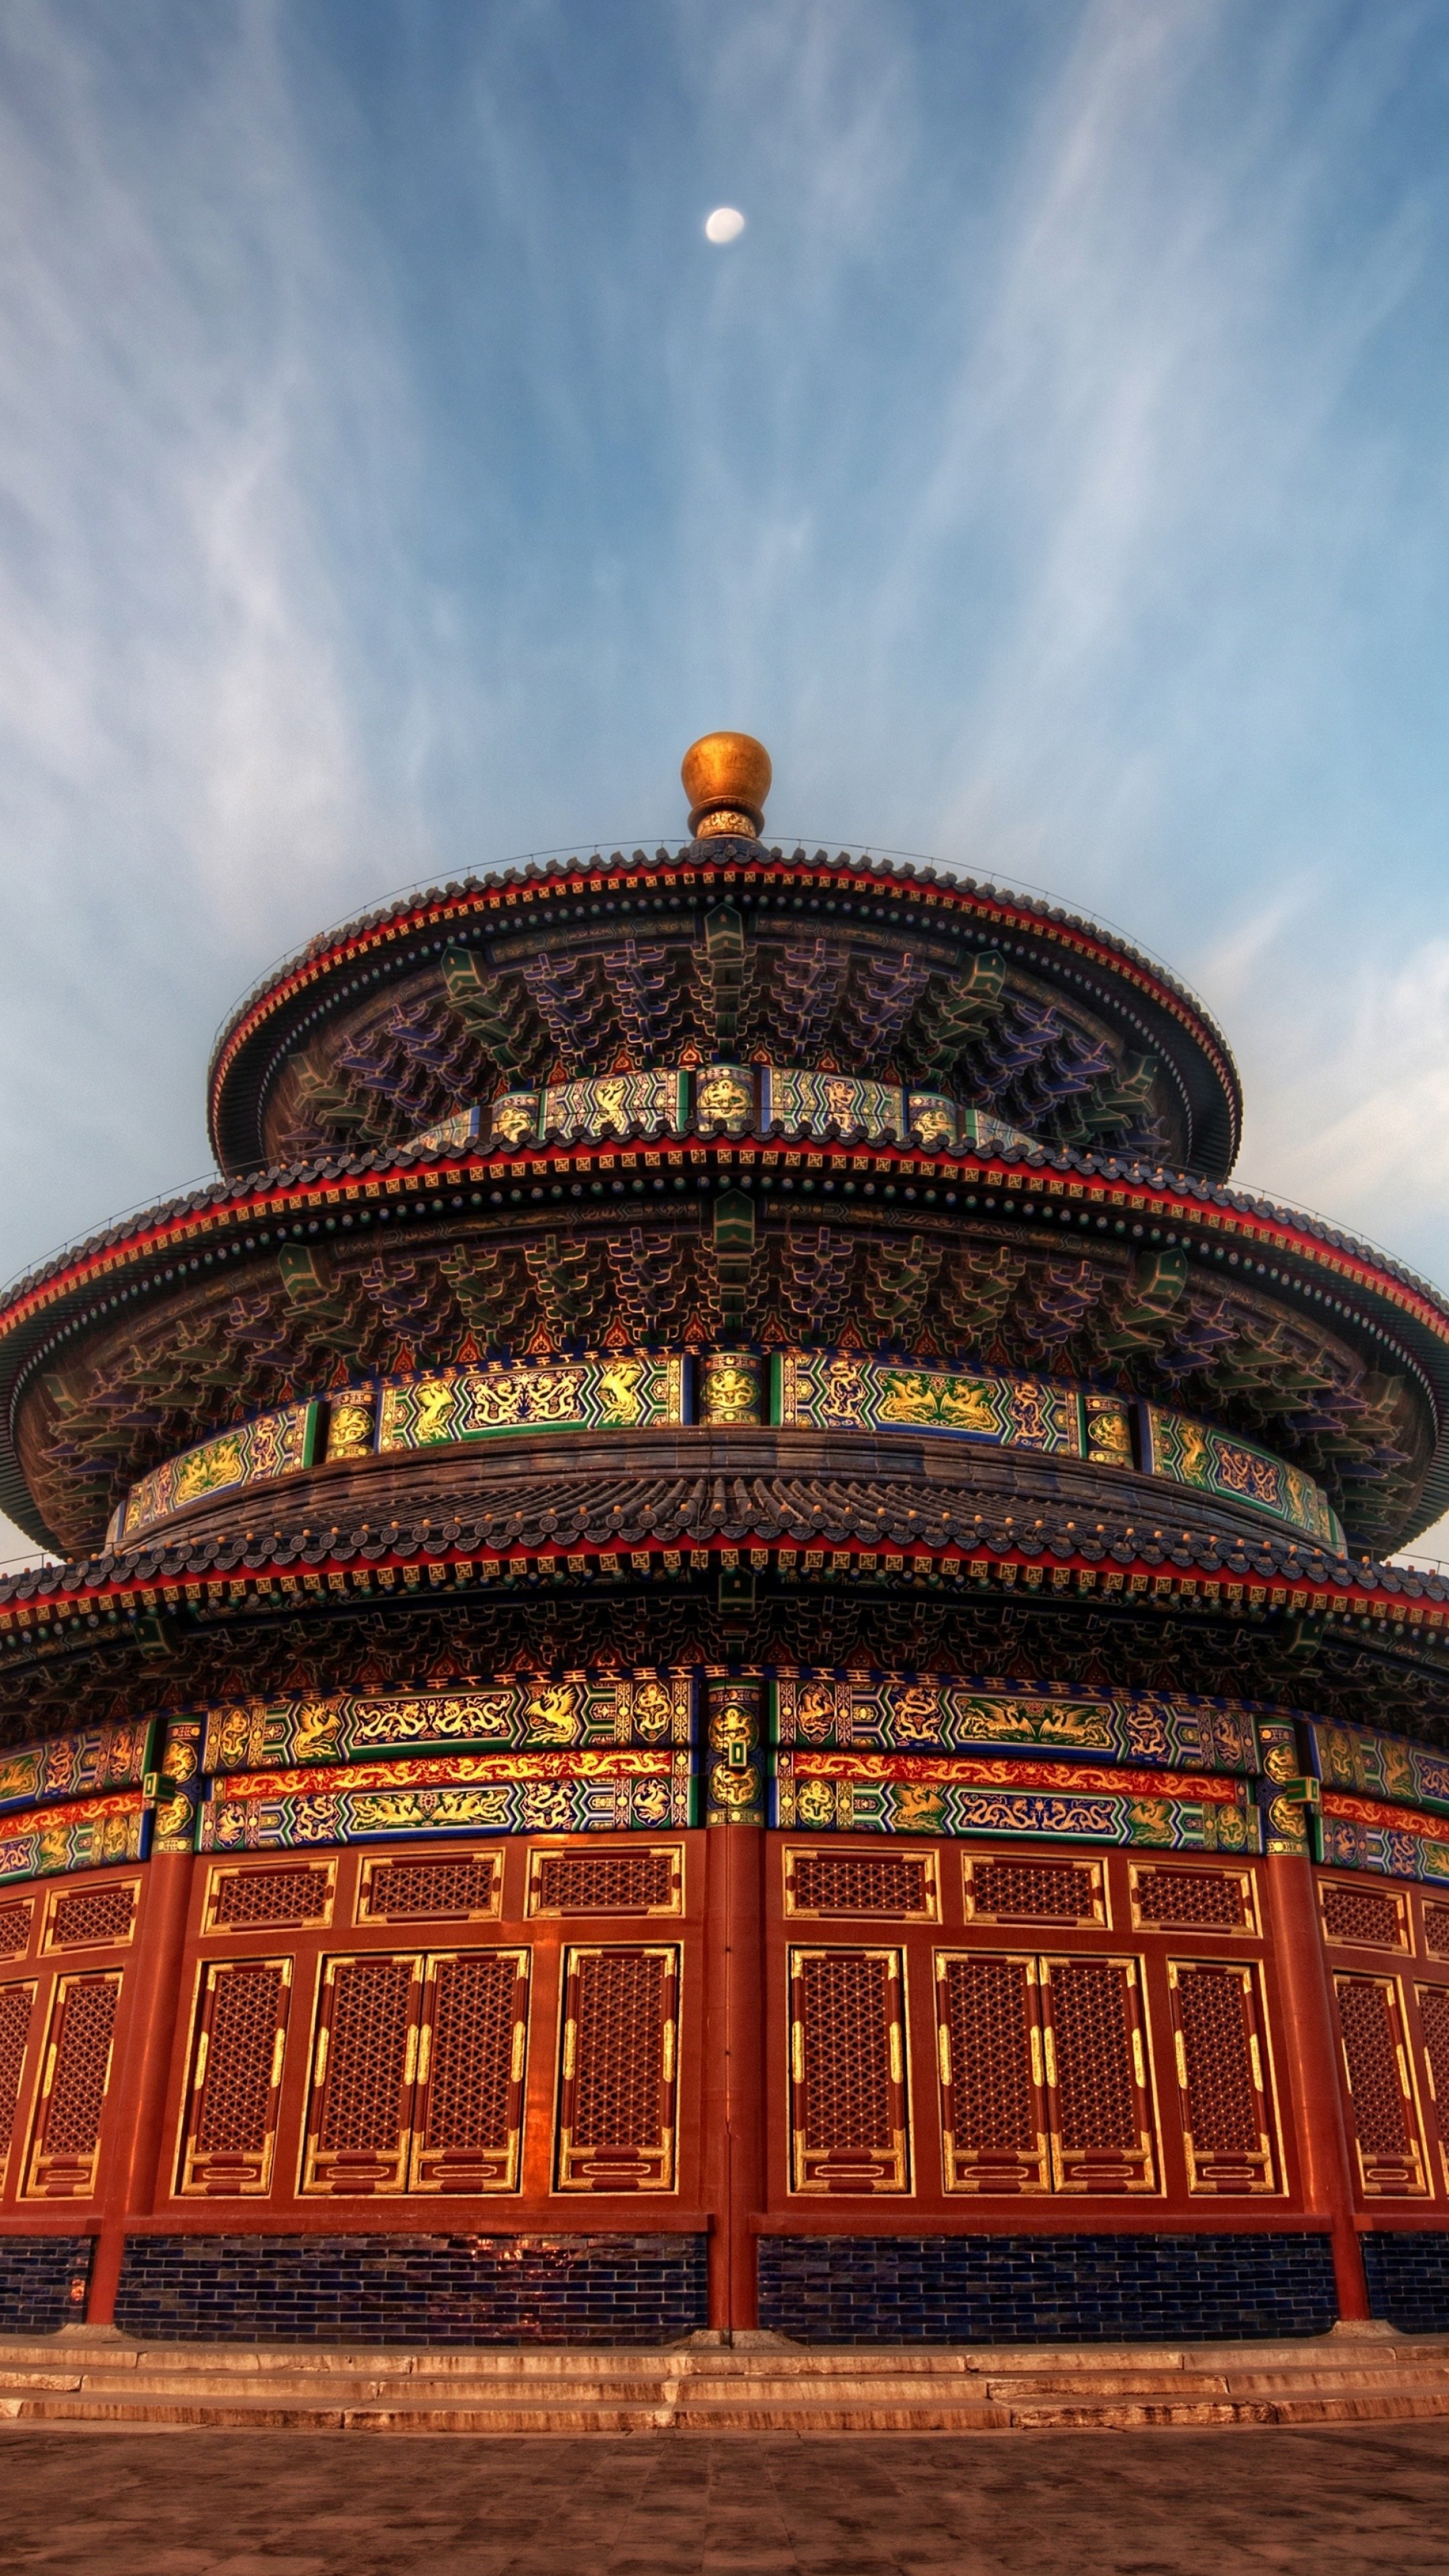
(734, 2067)
(1311, 2036)
(136, 2101)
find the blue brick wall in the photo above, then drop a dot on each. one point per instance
(599, 2290)
(1408, 2280)
(1044, 2289)
(42, 2282)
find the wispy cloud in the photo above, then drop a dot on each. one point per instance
(183, 775)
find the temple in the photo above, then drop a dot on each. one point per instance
(724, 1659)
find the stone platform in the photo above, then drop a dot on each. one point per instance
(1358, 2375)
(1341, 2500)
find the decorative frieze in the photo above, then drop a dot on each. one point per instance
(250, 1453)
(92, 1834)
(583, 1791)
(870, 1752)
(904, 1713)
(790, 1101)
(846, 1391)
(903, 1793)
(643, 1389)
(1185, 1452)
(513, 1714)
(87, 1764)
(1356, 1758)
(608, 1392)
(1395, 1842)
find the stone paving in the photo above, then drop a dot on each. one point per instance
(1339, 2503)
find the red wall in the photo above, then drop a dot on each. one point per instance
(769, 2114)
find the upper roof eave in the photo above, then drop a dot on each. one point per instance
(426, 909)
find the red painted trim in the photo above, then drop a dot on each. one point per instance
(136, 2103)
(736, 1857)
(1310, 2047)
(1136, 1580)
(1174, 1201)
(1302, 1591)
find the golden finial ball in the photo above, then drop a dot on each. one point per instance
(726, 778)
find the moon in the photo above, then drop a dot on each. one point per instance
(725, 225)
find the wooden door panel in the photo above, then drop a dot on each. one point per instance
(236, 2076)
(364, 2063)
(991, 2071)
(848, 2124)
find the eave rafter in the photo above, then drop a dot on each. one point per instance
(51, 1608)
(350, 962)
(1223, 1235)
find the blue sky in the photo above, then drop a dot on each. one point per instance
(393, 479)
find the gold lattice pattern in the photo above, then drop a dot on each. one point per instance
(16, 2004)
(236, 2096)
(620, 2011)
(1370, 2046)
(1096, 2102)
(846, 2018)
(366, 2055)
(1033, 1891)
(245, 1898)
(603, 1882)
(989, 2023)
(91, 1915)
(443, 1890)
(1434, 2014)
(1362, 1914)
(1436, 1931)
(82, 2060)
(860, 1883)
(1191, 1900)
(472, 2052)
(14, 1929)
(1222, 2101)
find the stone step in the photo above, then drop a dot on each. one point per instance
(1127, 2416)
(106, 2380)
(579, 2390)
(1048, 2367)
(306, 2414)
(824, 2412)
(349, 2361)
(819, 2414)
(1325, 2379)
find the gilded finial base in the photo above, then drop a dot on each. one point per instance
(718, 820)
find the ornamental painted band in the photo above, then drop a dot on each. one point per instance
(820, 1390)
(723, 1100)
(858, 1752)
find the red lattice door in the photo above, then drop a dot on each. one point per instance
(236, 2076)
(617, 2072)
(364, 2063)
(1221, 2048)
(1095, 2045)
(1433, 2002)
(17, 2011)
(849, 2130)
(65, 2141)
(1387, 2134)
(467, 2118)
(992, 2074)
